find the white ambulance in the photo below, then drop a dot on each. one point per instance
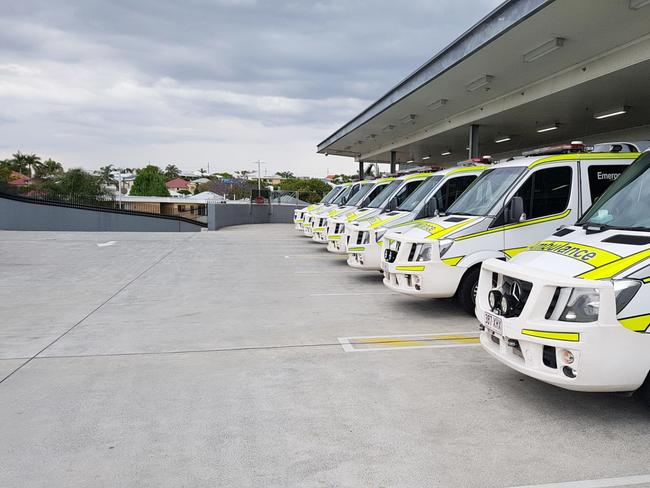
(368, 189)
(574, 309)
(435, 194)
(299, 213)
(312, 218)
(392, 196)
(507, 208)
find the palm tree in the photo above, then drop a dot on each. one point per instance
(285, 174)
(18, 162)
(33, 163)
(49, 169)
(172, 171)
(203, 172)
(106, 177)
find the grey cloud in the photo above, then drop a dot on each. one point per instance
(153, 70)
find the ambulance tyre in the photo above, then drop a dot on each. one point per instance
(466, 293)
(644, 392)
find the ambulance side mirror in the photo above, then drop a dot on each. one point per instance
(392, 205)
(515, 211)
(432, 207)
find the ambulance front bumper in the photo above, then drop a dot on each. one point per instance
(366, 257)
(319, 235)
(427, 279)
(598, 356)
(337, 236)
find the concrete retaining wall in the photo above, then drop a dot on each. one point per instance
(224, 215)
(19, 215)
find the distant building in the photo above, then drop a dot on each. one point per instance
(178, 184)
(18, 179)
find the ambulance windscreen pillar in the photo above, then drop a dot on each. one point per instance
(473, 141)
(361, 173)
(393, 162)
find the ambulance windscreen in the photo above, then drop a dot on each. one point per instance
(486, 191)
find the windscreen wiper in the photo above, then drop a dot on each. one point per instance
(591, 228)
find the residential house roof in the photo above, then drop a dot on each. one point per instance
(177, 183)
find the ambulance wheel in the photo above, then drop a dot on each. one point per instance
(644, 392)
(466, 293)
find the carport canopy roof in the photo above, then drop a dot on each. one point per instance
(527, 66)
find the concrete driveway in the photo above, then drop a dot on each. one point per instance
(216, 360)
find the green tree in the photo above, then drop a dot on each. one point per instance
(285, 174)
(20, 162)
(310, 190)
(172, 171)
(105, 174)
(5, 170)
(49, 169)
(150, 181)
(76, 183)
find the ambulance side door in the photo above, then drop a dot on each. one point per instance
(550, 199)
(596, 176)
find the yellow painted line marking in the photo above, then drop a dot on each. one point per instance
(409, 341)
(556, 336)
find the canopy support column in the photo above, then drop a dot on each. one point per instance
(473, 141)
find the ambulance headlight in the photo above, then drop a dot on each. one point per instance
(583, 306)
(425, 253)
(625, 291)
(379, 233)
(444, 245)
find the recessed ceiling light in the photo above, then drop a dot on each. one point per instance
(409, 161)
(502, 139)
(424, 158)
(482, 82)
(437, 104)
(546, 48)
(612, 112)
(446, 153)
(549, 128)
(408, 119)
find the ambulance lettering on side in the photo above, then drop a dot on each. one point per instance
(510, 206)
(312, 218)
(435, 194)
(574, 309)
(391, 196)
(299, 213)
(368, 189)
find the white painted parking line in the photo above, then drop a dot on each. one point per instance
(352, 294)
(403, 342)
(601, 483)
(308, 256)
(338, 272)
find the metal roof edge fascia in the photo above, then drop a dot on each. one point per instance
(488, 29)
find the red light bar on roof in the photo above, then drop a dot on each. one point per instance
(574, 147)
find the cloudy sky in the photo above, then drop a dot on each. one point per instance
(192, 82)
